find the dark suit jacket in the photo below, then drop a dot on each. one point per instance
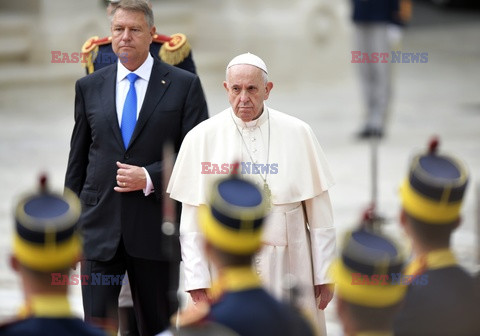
(174, 103)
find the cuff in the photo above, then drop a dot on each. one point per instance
(149, 187)
(195, 265)
(323, 252)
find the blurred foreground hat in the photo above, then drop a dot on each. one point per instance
(434, 188)
(233, 219)
(363, 272)
(45, 238)
(249, 59)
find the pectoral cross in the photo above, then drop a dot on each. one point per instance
(268, 195)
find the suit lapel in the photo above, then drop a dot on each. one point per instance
(107, 94)
(157, 85)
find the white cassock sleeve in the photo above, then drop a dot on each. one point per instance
(195, 264)
(322, 235)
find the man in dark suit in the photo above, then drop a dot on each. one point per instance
(124, 114)
(97, 53)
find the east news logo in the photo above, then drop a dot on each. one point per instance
(384, 57)
(392, 279)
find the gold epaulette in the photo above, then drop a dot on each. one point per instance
(90, 51)
(175, 48)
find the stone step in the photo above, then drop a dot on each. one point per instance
(18, 74)
(14, 48)
(14, 24)
(15, 37)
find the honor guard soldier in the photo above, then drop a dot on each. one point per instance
(440, 298)
(46, 244)
(232, 223)
(368, 281)
(175, 50)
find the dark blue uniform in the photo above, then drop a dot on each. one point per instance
(265, 315)
(446, 305)
(40, 326)
(370, 11)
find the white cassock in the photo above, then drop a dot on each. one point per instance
(297, 173)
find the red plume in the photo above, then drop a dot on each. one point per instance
(43, 182)
(433, 145)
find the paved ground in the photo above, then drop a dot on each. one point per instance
(439, 97)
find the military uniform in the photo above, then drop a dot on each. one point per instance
(97, 53)
(49, 315)
(233, 223)
(363, 276)
(45, 242)
(446, 304)
(244, 306)
(371, 20)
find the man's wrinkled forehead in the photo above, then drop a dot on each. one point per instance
(245, 75)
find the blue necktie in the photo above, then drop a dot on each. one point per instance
(129, 115)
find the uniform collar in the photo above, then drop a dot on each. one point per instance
(46, 306)
(143, 71)
(254, 123)
(374, 333)
(234, 279)
(433, 260)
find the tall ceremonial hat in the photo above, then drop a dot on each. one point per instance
(363, 272)
(45, 237)
(249, 59)
(434, 188)
(233, 219)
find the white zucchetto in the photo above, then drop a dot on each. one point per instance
(250, 59)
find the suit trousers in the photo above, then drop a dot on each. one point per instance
(153, 284)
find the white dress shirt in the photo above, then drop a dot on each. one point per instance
(141, 84)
